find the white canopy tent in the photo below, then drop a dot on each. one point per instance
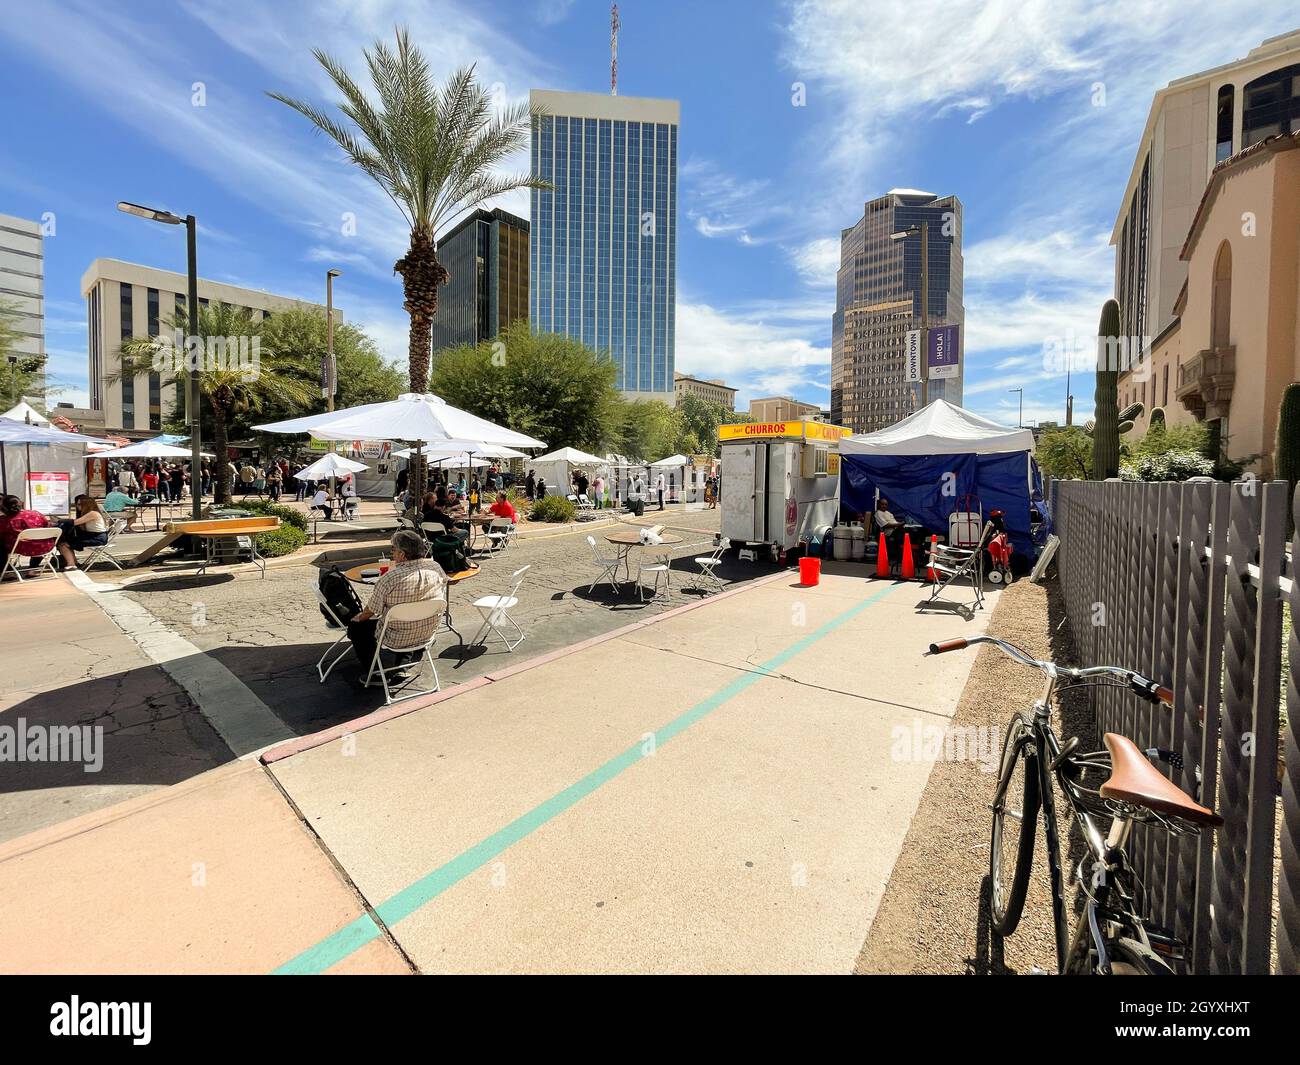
(556, 468)
(25, 412)
(940, 428)
(56, 452)
(671, 460)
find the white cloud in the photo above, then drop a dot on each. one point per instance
(756, 355)
(818, 261)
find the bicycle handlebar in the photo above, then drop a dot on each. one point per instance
(1142, 686)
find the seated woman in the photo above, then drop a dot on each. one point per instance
(13, 519)
(120, 503)
(437, 508)
(321, 501)
(88, 529)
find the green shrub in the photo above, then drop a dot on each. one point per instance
(1170, 466)
(553, 509)
(283, 541)
(287, 515)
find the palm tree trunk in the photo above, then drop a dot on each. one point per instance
(421, 275)
(220, 444)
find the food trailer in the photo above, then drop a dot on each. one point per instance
(780, 482)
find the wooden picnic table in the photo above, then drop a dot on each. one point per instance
(360, 575)
(628, 539)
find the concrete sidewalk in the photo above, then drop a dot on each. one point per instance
(719, 788)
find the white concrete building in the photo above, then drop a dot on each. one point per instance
(22, 286)
(125, 300)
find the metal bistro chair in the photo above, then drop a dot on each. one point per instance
(608, 567)
(334, 620)
(103, 552)
(387, 641)
(430, 529)
(661, 567)
(500, 532)
(43, 561)
(496, 609)
(708, 579)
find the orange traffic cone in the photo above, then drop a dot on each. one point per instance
(929, 570)
(909, 566)
(882, 558)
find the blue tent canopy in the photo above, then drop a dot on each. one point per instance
(928, 463)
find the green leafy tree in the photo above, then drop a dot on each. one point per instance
(543, 384)
(1065, 452)
(19, 373)
(228, 386)
(299, 336)
(433, 149)
(645, 430)
(700, 420)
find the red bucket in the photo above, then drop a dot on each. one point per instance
(810, 571)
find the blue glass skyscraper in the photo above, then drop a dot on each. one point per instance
(603, 253)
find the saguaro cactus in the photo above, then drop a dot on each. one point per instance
(1286, 455)
(1105, 432)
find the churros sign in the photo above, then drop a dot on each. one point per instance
(782, 430)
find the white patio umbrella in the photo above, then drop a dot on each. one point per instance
(417, 417)
(441, 458)
(330, 465)
(146, 449)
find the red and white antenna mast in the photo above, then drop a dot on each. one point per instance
(613, 50)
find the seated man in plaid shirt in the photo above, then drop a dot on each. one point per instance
(412, 579)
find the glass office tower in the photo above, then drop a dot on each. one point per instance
(486, 258)
(603, 254)
(878, 300)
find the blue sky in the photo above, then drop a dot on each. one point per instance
(996, 102)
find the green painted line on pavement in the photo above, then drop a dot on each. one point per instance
(352, 937)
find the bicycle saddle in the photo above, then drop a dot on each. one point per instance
(1135, 780)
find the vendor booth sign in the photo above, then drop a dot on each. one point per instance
(912, 356)
(47, 493)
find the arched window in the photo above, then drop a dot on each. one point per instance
(1223, 124)
(1221, 298)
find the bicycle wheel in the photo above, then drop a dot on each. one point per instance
(1128, 957)
(1015, 820)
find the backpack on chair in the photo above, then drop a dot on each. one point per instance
(449, 553)
(340, 595)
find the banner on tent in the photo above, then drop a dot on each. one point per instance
(48, 493)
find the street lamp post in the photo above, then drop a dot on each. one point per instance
(192, 355)
(331, 371)
(923, 231)
(1020, 421)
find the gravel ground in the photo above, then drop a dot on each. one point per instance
(934, 915)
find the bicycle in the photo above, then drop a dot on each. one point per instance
(1111, 937)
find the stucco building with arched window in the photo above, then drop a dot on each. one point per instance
(1232, 344)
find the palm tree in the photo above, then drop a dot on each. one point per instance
(432, 150)
(230, 382)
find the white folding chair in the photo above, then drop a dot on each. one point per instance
(661, 568)
(584, 503)
(103, 552)
(608, 567)
(45, 560)
(948, 565)
(433, 528)
(335, 620)
(499, 533)
(496, 609)
(708, 578)
(430, 610)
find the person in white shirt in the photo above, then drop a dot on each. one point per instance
(659, 488)
(321, 501)
(888, 524)
(348, 493)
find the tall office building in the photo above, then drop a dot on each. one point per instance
(878, 300)
(22, 288)
(1194, 123)
(486, 257)
(603, 254)
(126, 300)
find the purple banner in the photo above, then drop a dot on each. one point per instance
(942, 355)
